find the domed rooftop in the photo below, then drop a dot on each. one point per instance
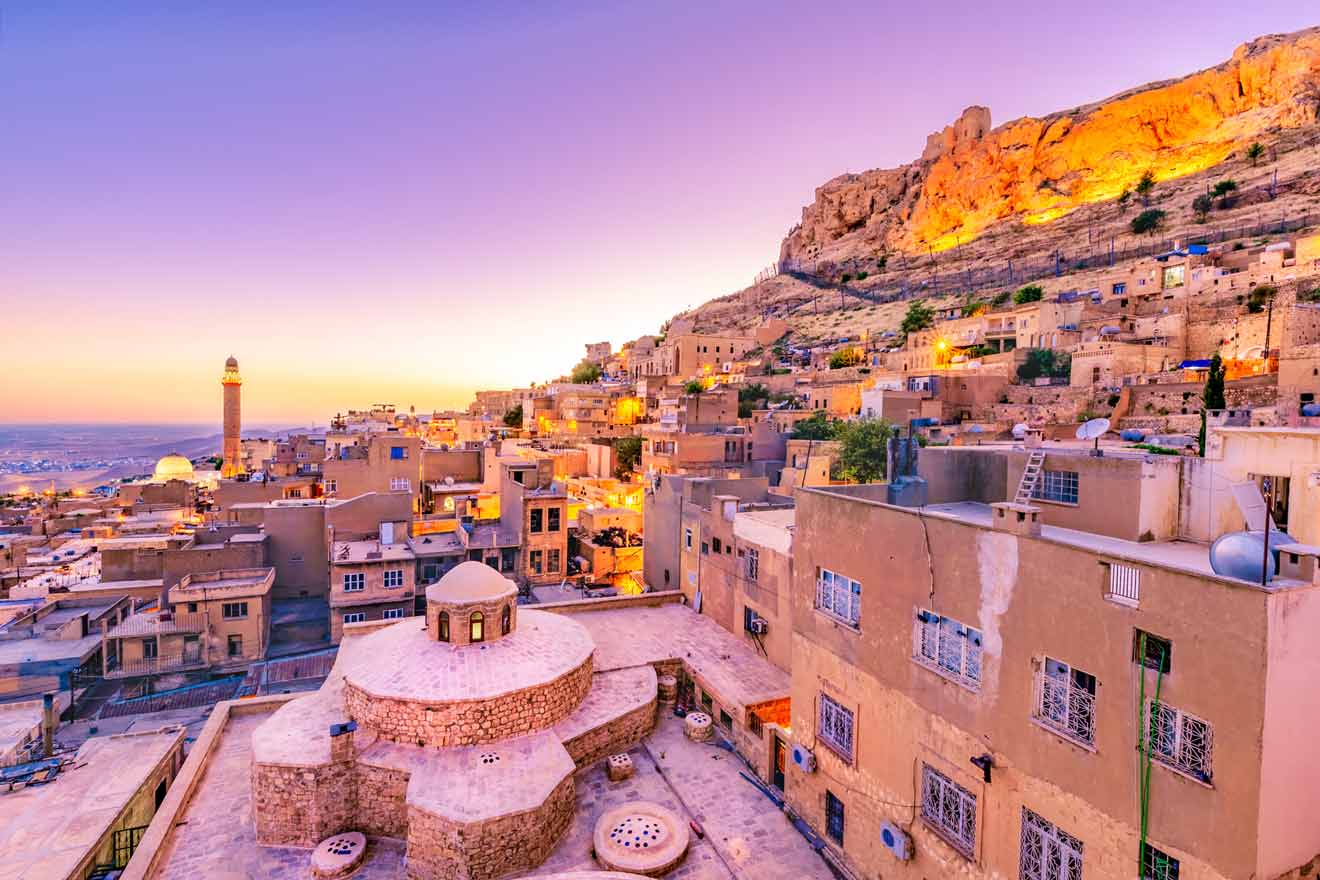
(470, 582)
(173, 467)
(231, 363)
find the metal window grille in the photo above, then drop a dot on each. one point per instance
(948, 647)
(1065, 701)
(1047, 852)
(1124, 583)
(839, 597)
(1057, 486)
(1179, 740)
(1156, 865)
(949, 810)
(400, 484)
(753, 564)
(834, 818)
(355, 582)
(126, 841)
(836, 728)
(394, 577)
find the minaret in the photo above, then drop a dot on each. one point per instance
(233, 447)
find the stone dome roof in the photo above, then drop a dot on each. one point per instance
(173, 467)
(470, 582)
(231, 363)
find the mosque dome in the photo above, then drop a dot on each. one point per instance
(231, 363)
(470, 582)
(173, 467)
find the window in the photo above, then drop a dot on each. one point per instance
(508, 559)
(477, 627)
(948, 809)
(506, 620)
(1124, 584)
(331, 487)
(535, 557)
(1179, 740)
(1152, 652)
(393, 578)
(1156, 865)
(834, 817)
(234, 610)
(444, 626)
(392, 614)
(726, 720)
(355, 617)
(705, 548)
(536, 516)
(192, 607)
(715, 545)
(835, 728)
(687, 539)
(1058, 486)
(839, 596)
(400, 484)
(949, 647)
(235, 645)
(552, 519)
(355, 581)
(1065, 700)
(552, 561)
(1048, 853)
(150, 649)
(398, 453)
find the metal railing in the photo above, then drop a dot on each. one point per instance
(1124, 584)
(121, 668)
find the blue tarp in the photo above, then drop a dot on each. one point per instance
(1194, 365)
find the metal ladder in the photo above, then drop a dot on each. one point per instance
(1030, 477)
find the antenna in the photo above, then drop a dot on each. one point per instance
(1093, 430)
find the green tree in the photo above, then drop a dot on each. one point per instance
(585, 372)
(1201, 205)
(1254, 152)
(694, 386)
(1042, 362)
(1000, 298)
(863, 449)
(1124, 200)
(1212, 396)
(752, 397)
(627, 455)
(1259, 295)
(919, 316)
(1028, 294)
(1145, 186)
(846, 357)
(817, 426)
(1148, 221)
(1223, 190)
(513, 418)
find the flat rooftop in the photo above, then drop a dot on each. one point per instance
(46, 830)
(369, 551)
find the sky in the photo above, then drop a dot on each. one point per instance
(405, 202)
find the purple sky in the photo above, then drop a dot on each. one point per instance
(406, 201)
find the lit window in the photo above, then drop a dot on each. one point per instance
(838, 596)
(393, 578)
(477, 627)
(948, 809)
(1181, 741)
(1065, 700)
(835, 728)
(355, 582)
(506, 618)
(444, 626)
(1047, 852)
(1058, 486)
(331, 487)
(536, 557)
(948, 647)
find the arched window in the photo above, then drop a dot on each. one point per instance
(444, 626)
(477, 627)
(506, 617)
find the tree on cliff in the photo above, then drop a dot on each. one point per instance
(846, 357)
(1255, 151)
(1145, 186)
(1028, 294)
(1201, 206)
(919, 316)
(1148, 221)
(1223, 190)
(1212, 396)
(1124, 200)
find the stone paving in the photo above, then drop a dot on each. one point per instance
(746, 836)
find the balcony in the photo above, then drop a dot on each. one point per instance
(154, 623)
(191, 658)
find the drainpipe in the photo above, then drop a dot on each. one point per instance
(48, 723)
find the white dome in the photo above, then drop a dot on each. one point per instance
(173, 467)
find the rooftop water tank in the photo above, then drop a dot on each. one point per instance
(1240, 554)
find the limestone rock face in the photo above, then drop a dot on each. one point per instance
(970, 176)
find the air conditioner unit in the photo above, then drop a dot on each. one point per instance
(896, 840)
(803, 758)
(759, 626)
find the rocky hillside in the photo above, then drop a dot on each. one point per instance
(1031, 171)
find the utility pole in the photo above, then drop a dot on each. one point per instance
(1265, 557)
(1269, 318)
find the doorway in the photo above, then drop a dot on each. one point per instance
(777, 765)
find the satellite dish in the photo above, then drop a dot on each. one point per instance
(1020, 430)
(975, 429)
(1093, 429)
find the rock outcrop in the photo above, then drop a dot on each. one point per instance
(971, 177)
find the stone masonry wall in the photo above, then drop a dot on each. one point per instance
(616, 736)
(301, 806)
(382, 809)
(441, 850)
(471, 722)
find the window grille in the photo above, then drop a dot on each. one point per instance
(948, 647)
(1124, 583)
(839, 596)
(753, 564)
(835, 728)
(1181, 741)
(1047, 852)
(1156, 865)
(400, 484)
(834, 818)
(1057, 486)
(949, 810)
(1065, 701)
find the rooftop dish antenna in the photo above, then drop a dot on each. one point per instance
(1020, 430)
(1093, 430)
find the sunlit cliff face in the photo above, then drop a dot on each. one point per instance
(1038, 170)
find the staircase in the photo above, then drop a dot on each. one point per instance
(1030, 477)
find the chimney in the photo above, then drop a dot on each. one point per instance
(341, 742)
(1020, 519)
(49, 721)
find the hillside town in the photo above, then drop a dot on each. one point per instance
(960, 580)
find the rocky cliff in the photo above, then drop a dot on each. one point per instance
(971, 177)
